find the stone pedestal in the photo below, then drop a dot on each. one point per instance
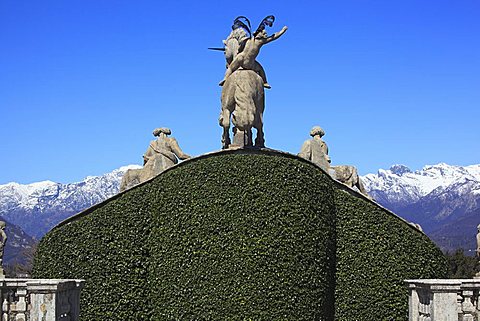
(48, 300)
(443, 300)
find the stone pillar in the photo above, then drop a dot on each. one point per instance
(413, 303)
(4, 302)
(434, 300)
(444, 305)
(467, 306)
(20, 306)
(14, 299)
(53, 300)
(470, 291)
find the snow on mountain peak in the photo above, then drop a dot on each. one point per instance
(48, 194)
(400, 169)
(400, 182)
(49, 199)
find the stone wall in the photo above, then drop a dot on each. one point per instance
(40, 300)
(444, 300)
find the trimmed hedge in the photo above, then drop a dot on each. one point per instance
(376, 251)
(239, 235)
(109, 249)
(230, 237)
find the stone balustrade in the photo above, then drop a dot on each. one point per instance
(444, 300)
(40, 299)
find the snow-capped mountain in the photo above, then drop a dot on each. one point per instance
(444, 199)
(39, 206)
(399, 183)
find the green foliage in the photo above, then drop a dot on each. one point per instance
(239, 236)
(108, 249)
(376, 251)
(253, 246)
(461, 266)
(228, 237)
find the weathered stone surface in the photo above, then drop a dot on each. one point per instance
(478, 249)
(316, 150)
(443, 299)
(348, 175)
(417, 226)
(3, 241)
(160, 155)
(244, 82)
(41, 299)
(248, 49)
(243, 100)
(235, 39)
(478, 240)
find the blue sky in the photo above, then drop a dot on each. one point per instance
(84, 83)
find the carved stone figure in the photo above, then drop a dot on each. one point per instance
(348, 175)
(417, 226)
(477, 276)
(243, 100)
(161, 154)
(234, 42)
(3, 241)
(243, 96)
(241, 51)
(478, 241)
(316, 150)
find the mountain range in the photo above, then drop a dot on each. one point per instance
(443, 199)
(37, 207)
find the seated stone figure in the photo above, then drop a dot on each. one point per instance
(3, 241)
(316, 150)
(477, 275)
(478, 242)
(246, 59)
(161, 154)
(234, 44)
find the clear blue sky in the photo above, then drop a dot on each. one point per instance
(84, 83)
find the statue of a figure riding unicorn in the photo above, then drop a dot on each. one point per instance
(243, 95)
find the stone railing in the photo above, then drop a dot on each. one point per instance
(40, 300)
(444, 300)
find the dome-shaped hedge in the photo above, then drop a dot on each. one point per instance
(239, 235)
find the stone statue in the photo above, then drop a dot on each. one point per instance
(243, 96)
(316, 150)
(348, 175)
(241, 51)
(161, 154)
(477, 275)
(243, 101)
(417, 226)
(478, 241)
(3, 241)
(234, 42)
